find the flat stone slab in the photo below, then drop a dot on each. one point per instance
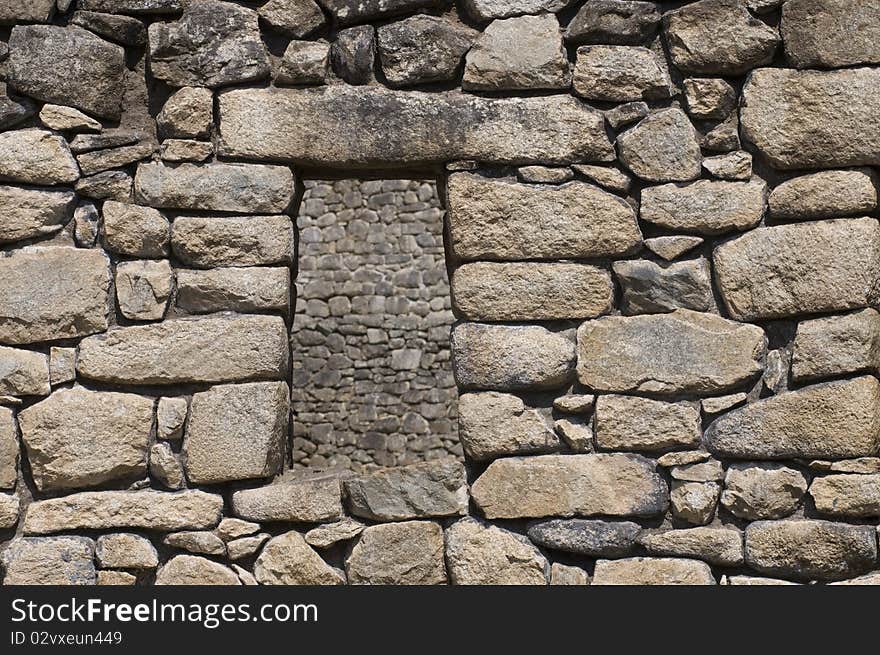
(640, 571)
(309, 500)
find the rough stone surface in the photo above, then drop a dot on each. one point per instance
(36, 156)
(203, 543)
(327, 535)
(829, 194)
(353, 54)
(487, 10)
(423, 49)
(288, 560)
(210, 241)
(663, 147)
(493, 424)
(49, 561)
(407, 553)
(642, 424)
(594, 538)
(187, 114)
(194, 570)
(856, 496)
(835, 345)
(165, 467)
(481, 554)
(23, 373)
(9, 449)
(620, 74)
(709, 98)
(10, 506)
(304, 62)
(135, 231)
(60, 119)
(650, 288)
(307, 500)
(30, 213)
(123, 550)
(694, 502)
(143, 289)
(830, 33)
(623, 22)
(640, 571)
(233, 289)
(718, 546)
(295, 18)
(671, 248)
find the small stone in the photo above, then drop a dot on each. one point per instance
(49, 561)
(187, 114)
(407, 553)
(111, 138)
(14, 110)
(858, 465)
(829, 194)
(178, 150)
(670, 248)
(609, 178)
(593, 538)
(170, 417)
(856, 496)
(62, 365)
(620, 74)
(748, 580)
(650, 288)
(308, 500)
(627, 113)
(9, 448)
(120, 29)
(776, 367)
(575, 403)
(718, 546)
(720, 136)
(294, 18)
(722, 404)
(135, 7)
(694, 502)
(91, 163)
(231, 529)
(135, 231)
(642, 424)
(544, 174)
(520, 53)
(62, 119)
(662, 147)
(125, 551)
(730, 166)
(642, 571)
(577, 435)
(115, 578)
(494, 424)
(304, 62)
(325, 536)
(23, 373)
(109, 185)
(143, 289)
(210, 241)
(86, 220)
(36, 11)
(204, 543)
(710, 470)
(166, 467)
(830, 33)
(622, 22)
(246, 546)
(762, 491)
(233, 289)
(682, 458)
(487, 10)
(288, 560)
(194, 570)
(9, 511)
(709, 98)
(560, 574)
(507, 358)
(35, 156)
(481, 554)
(353, 53)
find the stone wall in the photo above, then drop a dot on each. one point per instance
(663, 249)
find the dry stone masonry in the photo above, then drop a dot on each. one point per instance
(431, 292)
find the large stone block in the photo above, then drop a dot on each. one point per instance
(211, 241)
(835, 345)
(832, 420)
(831, 33)
(681, 352)
(30, 213)
(215, 348)
(501, 219)
(856, 496)
(257, 289)
(26, 11)
(49, 561)
(73, 305)
(762, 491)
(715, 545)
(493, 424)
(641, 571)
(804, 268)
(591, 537)
(306, 500)
(36, 156)
(570, 485)
(827, 194)
(406, 553)
(642, 424)
(363, 126)
(481, 554)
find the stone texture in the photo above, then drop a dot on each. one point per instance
(421, 490)
(294, 18)
(718, 546)
(834, 420)
(487, 10)
(36, 11)
(249, 420)
(593, 538)
(120, 29)
(23, 373)
(640, 571)
(817, 550)
(307, 500)
(109, 185)
(544, 174)
(9, 449)
(304, 62)
(493, 424)
(709, 98)
(135, 231)
(568, 485)
(35, 156)
(125, 551)
(407, 553)
(502, 219)
(705, 207)
(115, 578)
(327, 535)
(856, 496)
(187, 114)
(239, 188)
(134, 7)
(682, 352)
(663, 147)
(94, 84)
(422, 49)
(623, 22)
(830, 33)
(216, 348)
(210, 241)
(14, 110)
(562, 574)
(415, 128)
(733, 166)
(60, 119)
(650, 288)
(620, 74)
(199, 542)
(694, 502)
(642, 424)
(246, 546)
(835, 345)
(170, 417)
(718, 37)
(185, 150)
(821, 266)
(91, 163)
(194, 570)
(709, 470)
(577, 434)
(165, 467)
(829, 194)
(347, 12)
(288, 560)
(49, 561)
(506, 358)
(143, 289)
(672, 247)
(482, 554)
(606, 177)
(9, 511)
(353, 54)
(233, 289)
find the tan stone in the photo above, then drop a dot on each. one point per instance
(642, 424)
(8, 449)
(125, 551)
(288, 560)
(187, 114)
(171, 417)
(10, 505)
(194, 570)
(719, 546)
(230, 529)
(481, 554)
(856, 496)
(562, 574)
(662, 147)
(828, 194)
(614, 73)
(49, 561)
(694, 502)
(197, 541)
(62, 365)
(330, 534)
(256, 289)
(640, 571)
(835, 345)
(23, 373)
(31, 213)
(830, 33)
(36, 157)
(211, 241)
(246, 546)
(143, 288)
(307, 500)
(165, 466)
(407, 553)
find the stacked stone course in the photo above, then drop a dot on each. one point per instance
(651, 260)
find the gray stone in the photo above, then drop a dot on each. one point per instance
(165, 467)
(294, 18)
(210, 241)
(428, 489)
(627, 113)
(720, 136)
(481, 554)
(10, 506)
(620, 74)
(718, 546)
(831, 420)
(110, 185)
(307, 500)
(709, 98)
(544, 174)
(200, 542)
(121, 29)
(608, 178)
(233, 289)
(805, 268)
(682, 458)
(23, 373)
(242, 188)
(194, 570)
(836, 345)
(670, 248)
(407, 553)
(831, 33)
(353, 54)
(622, 22)
(511, 357)
(327, 535)
(650, 288)
(730, 166)
(486, 10)
(246, 546)
(504, 220)
(213, 44)
(180, 150)
(593, 538)
(829, 194)
(110, 138)
(493, 424)
(422, 49)
(694, 502)
(135, 231)
(123, 550)
(27, 11)
(61, 119)
(642, 424)
(277, 124)
(170, 417)
(14, 110)
(641, 571)
(304, 62)
(288, 560)
(562, 574)
(215, 348)
(134, 7)
(187, 114)
(9, 449)
(35, 156)
(94, 84)
(62, 365)
(681, 352)
(662, 148)
(569, 485)
(710, 470)
(74, 305)
(856, 496)
(98, 161)
(107, 510)
(49, 561)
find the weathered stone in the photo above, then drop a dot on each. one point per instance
(74, 305)
(855, 496)
(23, 373)
(304, 62)
(107, 510)
(817, 550)
(200, 542)
(867, 579)
(49, 561)
(481, 554)
(235, 289)
(641, 424)
(327, 535)
(825, 347)
(194, 570)
(510, 357)
(121, 29)
(606, 177)
(213, 44)
(577, 434)
(134, 7)
(735, 166)
(115, 578)
(166, 467)
(640, 571)
(288, 560)
(829, 194)
(858, 465)
(718, 37)
(622, 22)
(308, 500)
(752, 581)
(620, 74)
(567, 485)
(520, 53)
(9, 511)
(705, 207)
(91, 163)
(249, 420)
(111, 138)
(428, 489)
(486, 10)
(836, 420)
(623, 115)
(694, 502)
(575, 403)
(36, 156)
(61, 119)
(9, 449)
(210, 241)
(720, 136)
(62, 365)
(230, 529)
(544, 174)
(216, 348)
(719, 546)
(170, 417)
(125, 551)
(181, 150)
(14, 110)
(487, 291)
(109, 185)
(831, 33)
(709, 98)
(423, 49)
(681, 352)
(670, 248)
(493, 424)
(407, 553)
(295, 18)
(814, 267)
(187, 114)
(650, 288)
(242, 188)
(246, 546)
(593, 538)
(60, 434)
(662, 147)
(562, 574)
(353, 54)
(135, 231)
(278, 124)
(94, 84)
(710, 470)
(501, 219)
(28, 11)
(682, 458)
